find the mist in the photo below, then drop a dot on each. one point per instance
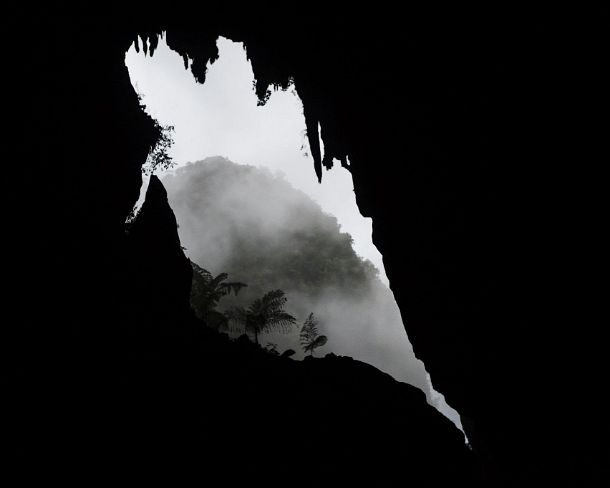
(355, 307)
(253, 225)
(222, 117)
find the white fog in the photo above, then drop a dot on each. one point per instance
(221, 118)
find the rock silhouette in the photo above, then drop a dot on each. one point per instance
(476, 139)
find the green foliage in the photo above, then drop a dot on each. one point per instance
(206, 292)
(310, 337)
(263, 315)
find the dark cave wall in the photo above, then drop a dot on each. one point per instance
(475, 143)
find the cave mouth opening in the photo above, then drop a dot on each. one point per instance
(248, 204)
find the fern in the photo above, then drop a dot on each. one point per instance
(310, 338)
(263, 315)
(207, 290)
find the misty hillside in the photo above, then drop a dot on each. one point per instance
(256, 227)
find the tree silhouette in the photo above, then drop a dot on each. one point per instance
(264, 314)
(206, 292)
(310, 337)
(158, 154)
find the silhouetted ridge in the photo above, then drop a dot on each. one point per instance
(163, 271)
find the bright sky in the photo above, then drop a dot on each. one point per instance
(221, 118)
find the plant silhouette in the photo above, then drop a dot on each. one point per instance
(206, 292)
(271, 348)
(158, 154)
(288, 353)
(263, 315)
(310, 337)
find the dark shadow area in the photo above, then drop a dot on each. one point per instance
(176, 399)
(483, 179)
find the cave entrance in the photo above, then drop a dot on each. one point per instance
(248, 204)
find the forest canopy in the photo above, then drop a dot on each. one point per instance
(252, 225)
